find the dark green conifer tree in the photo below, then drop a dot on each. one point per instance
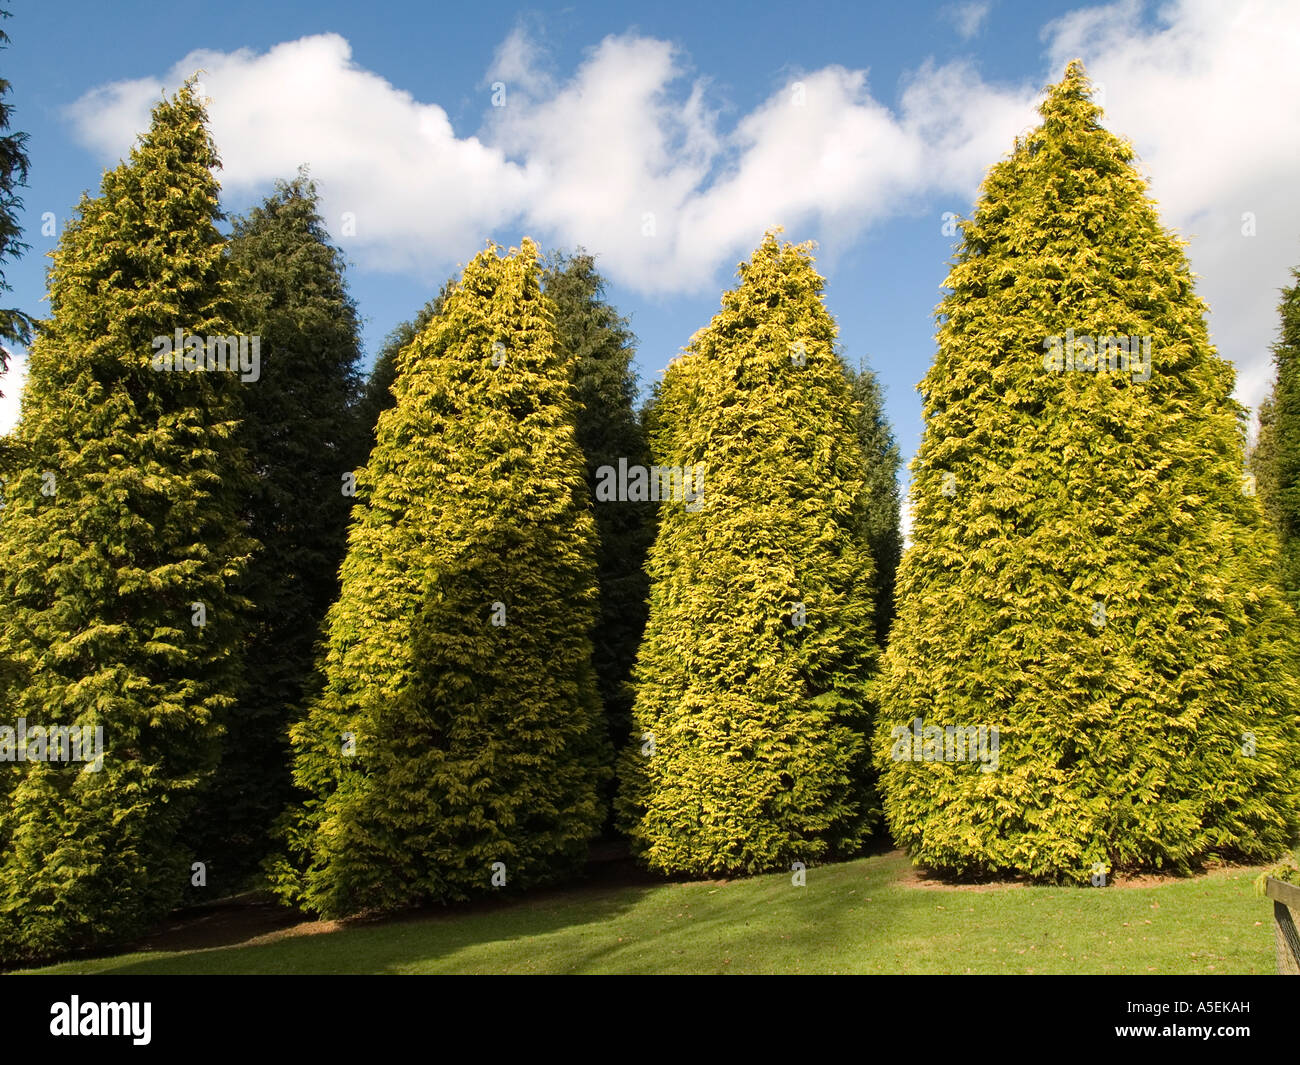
(122, 550)
(1087, 575)
(1277, 459)
(1262, 461)
(305, 440)
(599, 348)
(457, 747)
(750, 748)
(881, 514)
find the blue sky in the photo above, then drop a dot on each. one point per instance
(855, 125)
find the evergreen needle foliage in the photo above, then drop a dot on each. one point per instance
(459, 653)
(1087, 574)
(1277, 454)
(1262, 462)
(881, 530)
(599, 348)
(303, 435)
(749, 748)
(122, 513)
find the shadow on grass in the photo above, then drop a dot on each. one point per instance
(866, 915)
(261, 937)
(620, 919)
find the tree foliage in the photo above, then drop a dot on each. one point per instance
(598, 347)
(304, 438)
(1277, 454)
(1087, 575)
(749, 748)
(377, 395)
(459, 725)
(882, 531)
(121, 520)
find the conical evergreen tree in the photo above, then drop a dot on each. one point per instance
(1278, 468)
(304, 438)
(599, 348)
(459, 727)
(750, 749)
(881, 516)
(1087, 575)
(122, 547)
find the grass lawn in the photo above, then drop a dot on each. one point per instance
(867, 916)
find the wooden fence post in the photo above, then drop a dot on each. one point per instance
(1286, 914)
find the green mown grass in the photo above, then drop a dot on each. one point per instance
(865, 916)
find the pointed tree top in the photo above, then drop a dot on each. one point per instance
(178, 130)
(528, 250)
(1071, 97)
(774, 249)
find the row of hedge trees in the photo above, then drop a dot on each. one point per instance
(173, 541)
(1089, 590)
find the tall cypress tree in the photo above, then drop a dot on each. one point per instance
(1278, 453)
(1262, 461)
(122, 548)
(750, 749)
(304, 437)
(1087, 576)
(599, 348)
(881, 514)
(457, 746)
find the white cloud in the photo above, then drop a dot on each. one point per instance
(627, 156)
(968, 19)
(11, 384)
(518, 64)
(614, 158)
(392, 162)
(906, 517)
(588, 156)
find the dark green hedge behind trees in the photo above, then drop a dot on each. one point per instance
(598, 347)
(1276, 459)
(302, 432)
